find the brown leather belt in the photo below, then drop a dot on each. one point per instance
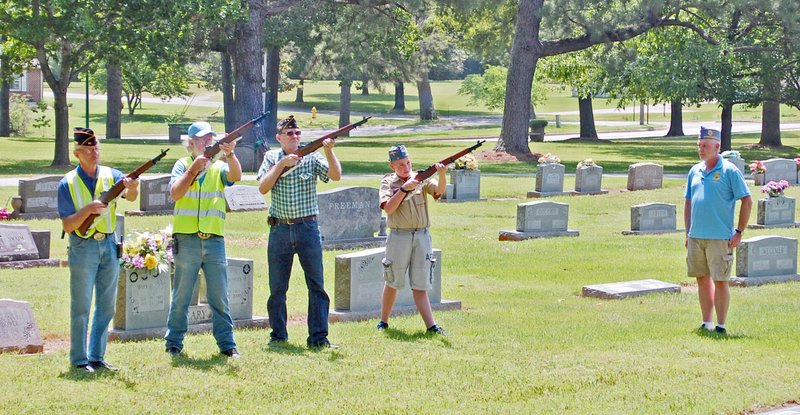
(275, 221)
(97, 236)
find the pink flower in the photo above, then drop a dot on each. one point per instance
(4, 214)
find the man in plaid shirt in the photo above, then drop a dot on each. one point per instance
(294, 229)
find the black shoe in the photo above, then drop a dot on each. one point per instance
(232, 353)
(276, 342)
(85, 368)
(325, 344)
(434, 329)
(382, 326)
(721, 330)
(102, 365)
(173, 351)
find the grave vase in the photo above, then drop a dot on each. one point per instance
(466, 184)
(143, 298)
(758, 179)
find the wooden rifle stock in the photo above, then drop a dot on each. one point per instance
(316, 144)
(109, 195)
(424, 174)
(234, 135)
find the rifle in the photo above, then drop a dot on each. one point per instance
(316, 144)
(424, 174)
(109, 195)
(232, 136)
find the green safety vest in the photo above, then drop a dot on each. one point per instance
(202, 208)
(81, 197)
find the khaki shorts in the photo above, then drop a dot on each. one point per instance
(709, 257)
(409, 252)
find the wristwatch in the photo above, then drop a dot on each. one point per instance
(738, 231)
(405, 191)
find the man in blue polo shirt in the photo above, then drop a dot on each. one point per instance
(712, 188)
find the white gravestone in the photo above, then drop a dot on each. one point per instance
(652, 218)
(243, 198)
(776, 212)
(780, 169)
(349, 217)
(17, 244)
(645, 176)
(240, 291)
(624, 289)
(18, 330)
(588, 180)
(549, 180)
(143, 299)
(540, 219)
(359, 285)
(766, 259)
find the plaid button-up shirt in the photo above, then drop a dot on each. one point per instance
(295, 194)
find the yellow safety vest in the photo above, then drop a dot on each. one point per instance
(202, 208)
(81, 197)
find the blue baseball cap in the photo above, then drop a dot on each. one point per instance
(709, 134)
(397, 152)
(200, 129)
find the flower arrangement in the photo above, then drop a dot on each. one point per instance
(587, 163)
(775, 189)
(797, 162)
(731, 154)
(466, 162)
(150, 250)
(549, 159)
(4, 214)
(757, 167)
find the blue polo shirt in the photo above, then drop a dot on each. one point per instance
(66, 206)
(713, 195)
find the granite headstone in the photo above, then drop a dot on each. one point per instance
(154, 195)
(780, 169)
(624, 289)
(776, 212)
(349, 217)
(652, 218)
(18, 330)
(242, 198)
(645, 176)
(466, 185)
(39, 195)
(588, 180)
(765, 259)
(143, 299)
(549, 180)
(16, 243)
(540, 219)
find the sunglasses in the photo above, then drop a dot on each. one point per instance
(293, 133)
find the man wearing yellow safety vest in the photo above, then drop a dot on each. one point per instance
(294, 229)
(197, 187)
(93, 259)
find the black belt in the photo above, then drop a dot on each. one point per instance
(275, 221)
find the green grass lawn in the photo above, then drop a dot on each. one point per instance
(524, 342)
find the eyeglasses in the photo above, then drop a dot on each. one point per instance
(293, 133)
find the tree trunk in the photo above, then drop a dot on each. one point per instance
(113, 102)
(588, 129)
(426, 109)
(727, 125)
(525, 52)
(61, 154)
(298, 98)
(5, 102)
(771, 114)
(675, 119)
(399, 97)
(228, 103)
(273, 84)
(344, 104)
(365, 87)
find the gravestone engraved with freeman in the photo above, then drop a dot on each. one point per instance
(780, 169)
(652, 217)
(38, 198)
(241, 198)
(645, 176)
(765, 259)
(18, 329)
(359, 285)
(349, 217)
(540, 219)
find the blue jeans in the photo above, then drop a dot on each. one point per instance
(193, 253)
(304, 240)
(93, 265)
